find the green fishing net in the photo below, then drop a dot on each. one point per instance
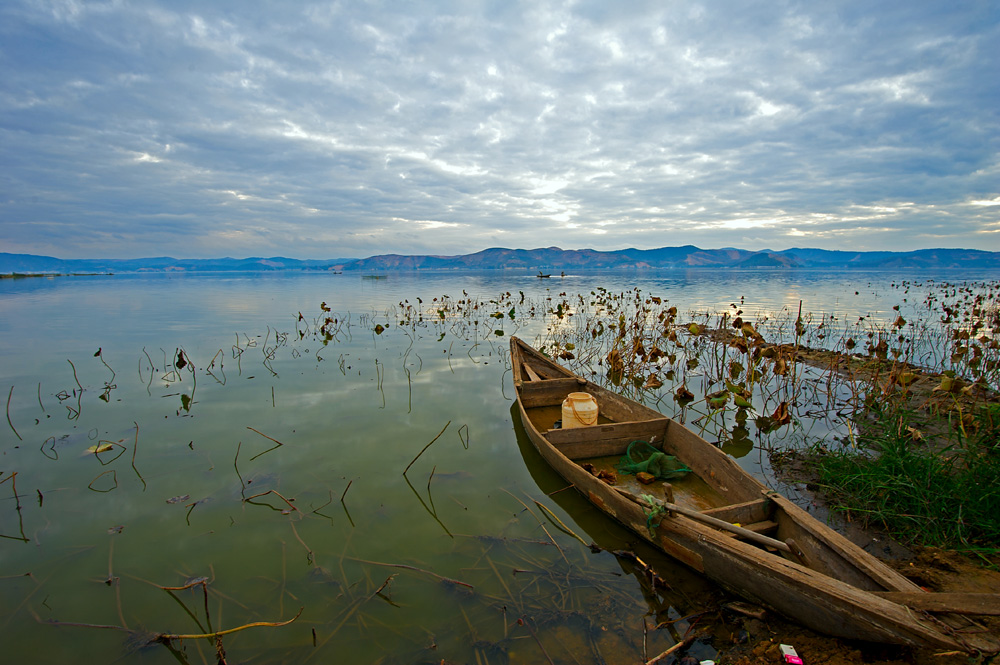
(652, 461)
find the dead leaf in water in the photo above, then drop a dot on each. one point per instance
(682, 394)
(178, 499)
(614, 360)
(781, 415)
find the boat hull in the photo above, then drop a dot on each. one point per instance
(832, 587)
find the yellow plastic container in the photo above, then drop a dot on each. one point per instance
(579, 410)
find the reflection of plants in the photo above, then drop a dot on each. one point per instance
(9, 421)
(103, 447)
(782, 368)
(737, 377)
(74, 414)
(138, 639)
(109, 384)
(17, 506)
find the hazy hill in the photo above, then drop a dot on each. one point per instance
(547, 259)
(555, 259)
(30, 263)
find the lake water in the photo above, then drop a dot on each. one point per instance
(256, 445)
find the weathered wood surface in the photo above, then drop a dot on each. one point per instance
(765, 527)
(547, 392)
(957, 603)
(838, 556)
(527, 355)
(532, 374)
(746, 512)
(711, 464)
(814, 599)
(711, 521)
(842, 590)
(602, 440)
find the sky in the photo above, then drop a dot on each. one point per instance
(348, 129)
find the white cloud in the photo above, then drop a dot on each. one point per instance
(342, 122)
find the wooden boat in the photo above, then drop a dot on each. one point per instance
(722, 522)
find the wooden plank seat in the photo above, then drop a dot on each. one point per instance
(751, 515)
(605, 439)
(765, 527)
(547, 392)
(747, 512)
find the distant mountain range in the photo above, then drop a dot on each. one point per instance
(542, 260)
(32, 264)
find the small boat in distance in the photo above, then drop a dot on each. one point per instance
(541, 276)
(722, 522)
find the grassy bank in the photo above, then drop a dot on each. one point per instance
(945, 496)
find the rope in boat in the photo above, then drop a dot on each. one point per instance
(658, 511)
(652, 461)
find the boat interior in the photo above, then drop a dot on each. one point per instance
(716, 487)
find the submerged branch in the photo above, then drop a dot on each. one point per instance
(275, 492)
(405, 566)
(163, 637)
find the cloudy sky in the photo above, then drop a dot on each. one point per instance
(347, 129)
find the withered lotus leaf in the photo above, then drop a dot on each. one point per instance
(781, 415)
(682, 394)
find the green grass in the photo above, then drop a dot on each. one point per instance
(946, 497)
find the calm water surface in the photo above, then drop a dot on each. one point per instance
(192, 382)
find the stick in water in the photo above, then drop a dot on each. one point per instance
(425, 448)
